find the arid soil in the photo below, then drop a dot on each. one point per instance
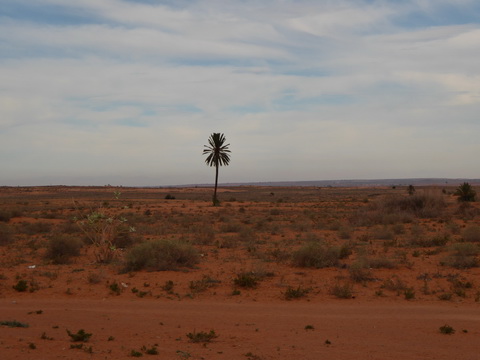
(395, 279)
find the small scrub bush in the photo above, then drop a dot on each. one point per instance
(447, 329)
(359, 272)
(295, 293)
(409, 294)
(5, 235)
(198, 286)
(135, 353)
(150, 351)
(61, 248)
(21, 286)
(14, 323)
(246, 280)
(309, 327)
(471, 233)
(202, 336)
(316, 255)
(79, 336)
(161, 255)
(463, 256)
(342, 291)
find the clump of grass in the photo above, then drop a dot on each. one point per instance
(14, 323)
(79, 336)
(61, 248)
(317, 255)
(447, 329)
(202, 336)
(295, 293)
(161, 255)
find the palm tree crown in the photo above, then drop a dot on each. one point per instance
(218, 155)
(217, 151)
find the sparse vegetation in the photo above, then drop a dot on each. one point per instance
(202, 336)
(295, 293)
(79, 336)
(161, 255)
(61, 248)
(447, 329)
(14, 323)
(317, 255)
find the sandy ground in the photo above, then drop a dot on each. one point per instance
(341, 329)
(259, 323)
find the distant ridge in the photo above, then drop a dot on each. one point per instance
(353, 183)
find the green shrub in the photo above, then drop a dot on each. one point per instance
(161, 255)
(317, 256)
(61, 248)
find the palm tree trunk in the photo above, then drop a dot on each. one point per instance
(215, 201)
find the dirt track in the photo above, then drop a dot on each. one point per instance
(245, 330)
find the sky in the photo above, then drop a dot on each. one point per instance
(127, 92)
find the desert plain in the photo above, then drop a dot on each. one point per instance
(271, 273)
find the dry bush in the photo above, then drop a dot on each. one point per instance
(342, 291)
(437, 240)
(402, 209)
(316, 255)
(61, 248)
(35, 228)
(471, 233)
(6, 234)
(161, 255)
(360, 272)
(462, 256)
(204, 234)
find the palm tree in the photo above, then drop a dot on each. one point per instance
(465, 192)
(218, 155)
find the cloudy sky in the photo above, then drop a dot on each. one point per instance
(127, 92)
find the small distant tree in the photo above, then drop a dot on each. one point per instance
(465, 192)
(411, 189)
(218, 155)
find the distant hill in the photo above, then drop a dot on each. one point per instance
(353, 183)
